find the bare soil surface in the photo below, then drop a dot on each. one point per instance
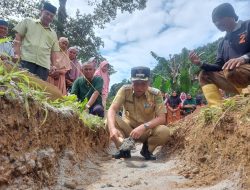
(52, 149)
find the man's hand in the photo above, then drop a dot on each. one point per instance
(194, 58)
(68, 82)
(138, 131)
(234, 63)
(115, 134)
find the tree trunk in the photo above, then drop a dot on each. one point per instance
(62, 18)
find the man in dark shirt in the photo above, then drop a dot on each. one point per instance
(90, 87)
(231, 71)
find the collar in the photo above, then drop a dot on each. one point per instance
(38, 21)
(88, 81)
(146, 94)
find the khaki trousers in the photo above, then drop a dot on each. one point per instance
(229, 81)
(155, 137)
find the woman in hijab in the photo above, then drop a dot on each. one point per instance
(60, 67)
(173, 107)
(103, 71)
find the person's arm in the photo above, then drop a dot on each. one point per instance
(168, 105)
(53, 57)
(217, 66)
(160, 118)
(114, 133)
(17, 46)
(235, 62)
(138, 131)
(93, 98)
(97, 85)
(118, 101)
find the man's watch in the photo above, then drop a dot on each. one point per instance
(246, 57)
(146, 125)
(87, 106)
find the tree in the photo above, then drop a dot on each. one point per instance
(19, 9)
(106, 10)
(178, 73)
(115, 87)
(62, 18)
(79, 29)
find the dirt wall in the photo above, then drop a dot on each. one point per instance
(30, 146)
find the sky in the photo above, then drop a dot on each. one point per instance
(164, 26)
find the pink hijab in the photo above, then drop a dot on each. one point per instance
(105, 77)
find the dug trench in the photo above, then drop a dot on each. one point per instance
(52, 149)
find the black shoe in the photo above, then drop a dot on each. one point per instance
(122, 154)
(146, 154)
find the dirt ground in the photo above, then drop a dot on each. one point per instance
(209, 150)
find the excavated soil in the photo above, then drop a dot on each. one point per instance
(210, 152)
(52, 149)
(32, 149)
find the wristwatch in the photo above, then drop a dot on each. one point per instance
(87, 106)
(146, 125)
(246, 57)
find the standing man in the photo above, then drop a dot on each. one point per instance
(36, 43)
(144, 115)
(90, 87)
(75, 70)
(231, 71)
(6, 50)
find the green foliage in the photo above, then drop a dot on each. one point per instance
(106, 10)
(157, 82)
(211, 115)
(115, 87)
(91, 121)
(184, 80)
(80, 28)
(230, 102)
(70, 101)
(16, 84)
(80, 31)
(180, 74)
(18, 9)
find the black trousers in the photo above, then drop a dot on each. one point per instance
(41, 72)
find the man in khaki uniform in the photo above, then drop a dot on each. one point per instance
(143, 115)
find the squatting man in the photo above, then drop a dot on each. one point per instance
(143, 115)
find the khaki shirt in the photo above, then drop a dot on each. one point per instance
(138, 110)
(38, 42)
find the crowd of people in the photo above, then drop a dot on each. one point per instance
(144, 112)
(40, 52)
(179, 106)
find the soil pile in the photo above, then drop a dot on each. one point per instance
(214, 144)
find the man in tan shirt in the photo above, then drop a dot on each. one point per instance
(143, 115)
(36, 42)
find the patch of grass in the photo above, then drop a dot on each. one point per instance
(16, 84)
